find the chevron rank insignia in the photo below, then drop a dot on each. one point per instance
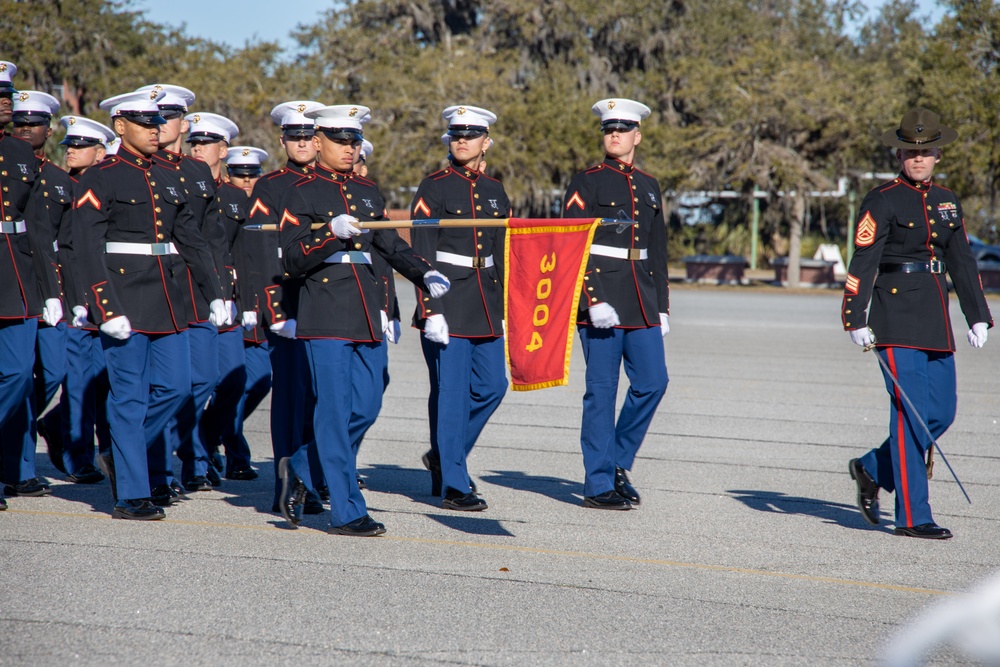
(866, 231)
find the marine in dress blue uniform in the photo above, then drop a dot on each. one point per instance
(33, 111)
(82, 403)
(29, 289)
(339, 311)
(463, 331)
(244, 165)
(199, 188)
(623, 308)
(292, 401)
(910, 236)
(134, 234)
(231, 209)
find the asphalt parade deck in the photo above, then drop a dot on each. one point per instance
(747, 549)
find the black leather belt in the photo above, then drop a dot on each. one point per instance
(934, 266)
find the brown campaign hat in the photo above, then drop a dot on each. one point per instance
(920, 128)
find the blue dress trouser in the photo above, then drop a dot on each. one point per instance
(292, 404)
(191, 450)
(606, 444)
(468, 381)
(385, 385)
(898, 465)
(149, 380)
(221, 412)
(344, 374)
(83, 402)
(17, 356)
(258, 383)
(50, 363)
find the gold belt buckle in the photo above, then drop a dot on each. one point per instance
(634, 254)
(479, 262)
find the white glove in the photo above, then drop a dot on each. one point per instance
(977, 334)
(436, 329)
(664, 325)
(437, 284)
(393, 332)
(342, 228)
(603, 315)
(233, 313)
(220, 313)
(385, 320)
(79, 316)
(863, 337)
(249, 319)
(52, 312)
(284, 329)
(117, 327)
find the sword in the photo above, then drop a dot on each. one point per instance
(620, 223)
(919, 420)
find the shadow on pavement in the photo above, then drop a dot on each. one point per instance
(473, 525)
(779, 503)
(556, 488)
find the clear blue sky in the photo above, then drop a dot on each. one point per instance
(234, 22)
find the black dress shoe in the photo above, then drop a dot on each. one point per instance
(323, 492)
(212, 475)
(28, 487)
(198, 483)
(107, 466)
(178, 489)
(624, 487)
(244, 474)
(313, 504)
(867, 491)
(363, 527)
(164, 495)
(88, 474)
(293, 493)
(50, 428)
(362, 484)
(463, 502)
(3, 504)
(928, 531)
(139, 510)
(432, 462)
(609, 500)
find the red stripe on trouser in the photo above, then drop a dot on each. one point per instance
(901, 441)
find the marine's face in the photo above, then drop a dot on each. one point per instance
(620, 144)
(335, 154)
(468, 151)
(170, 130)
(141, 138)
(918, 163)
(210, 153)
(81, 158)
(34, 134)
(244, 182)
(300, 150)
(6, 108)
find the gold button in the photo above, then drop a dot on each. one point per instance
(847, 312)
(133, 201)
(612, 203)
(357, 246)
(590, 289)
(159, 236)
(458, 211)
(593, 299)
(307, 246)
(45, 194)
(350, 196)
(848, 323)
(330, 213)
(275, 303)
(109, 313)
(911, 224)
(121, 271)
(932, 222)
(152, 182)
(479, 208)
(104, 300)
(157, 209)
(270, 291)
(355, 208)
(326, 280)
(318, 240)
(479, 233)
(636, 199)
(636, 238)
(277, 316)
(182, 178)
(586, 277)
(894, 290)
(934, 235)
(159, 223)
(100, 289)
(597, 270)
(928, 208)
(156, 196)
(476, 196)
(479, 245)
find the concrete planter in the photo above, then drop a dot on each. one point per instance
(715, 269)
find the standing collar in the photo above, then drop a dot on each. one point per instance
(618, 165)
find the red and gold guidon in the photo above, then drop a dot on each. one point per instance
(545, 260)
